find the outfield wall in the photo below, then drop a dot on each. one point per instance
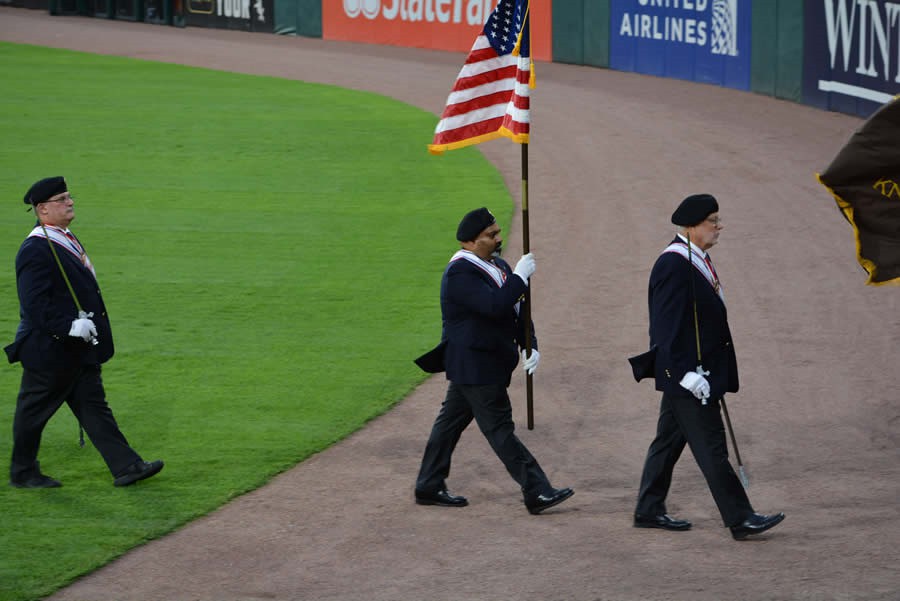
(438, 24)
(840, 55)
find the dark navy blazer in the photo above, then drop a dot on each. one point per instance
(47, 310)
(482, 333)
(672, 327)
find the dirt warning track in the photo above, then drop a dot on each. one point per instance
(611, 155)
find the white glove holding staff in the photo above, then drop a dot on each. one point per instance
(83, 328)
(695, 382)
(525, 267)
(529, 364)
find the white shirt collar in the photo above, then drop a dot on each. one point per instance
(694, 247)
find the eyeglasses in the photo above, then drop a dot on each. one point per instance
(714, 220)
(65, 198)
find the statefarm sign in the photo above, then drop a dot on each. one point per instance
(438, 24)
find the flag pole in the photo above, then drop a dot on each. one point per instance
(526, 307)
(463, 121)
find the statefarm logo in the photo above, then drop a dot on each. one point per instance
(370, 8)
(472, 12)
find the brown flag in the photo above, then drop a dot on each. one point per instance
(865, 180)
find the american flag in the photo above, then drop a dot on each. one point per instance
(490, 96)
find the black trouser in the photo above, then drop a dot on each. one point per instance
(41, 395)
(683, 419)
(490, 407)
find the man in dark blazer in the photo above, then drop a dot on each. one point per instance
(480, 345)
(694, 366)
(61, 347)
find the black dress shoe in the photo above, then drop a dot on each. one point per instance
(139, 470)
(556, 496)
(441, 497)
(38, 481)
(755, 524)
(664, 521)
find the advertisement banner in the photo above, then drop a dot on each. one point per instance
(246, 15)
(851, 61)
(438, 24)
(700, 40)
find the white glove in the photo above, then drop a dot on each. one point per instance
(529, 364)
(83, 328)
(525, 267)
(697, 383)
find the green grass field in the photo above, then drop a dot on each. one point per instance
(270, 254)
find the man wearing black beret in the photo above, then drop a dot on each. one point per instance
(481, 340)
(63, 337)
(694, 364)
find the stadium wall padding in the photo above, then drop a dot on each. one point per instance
(777, 47)
(299, 17)
(581, 32)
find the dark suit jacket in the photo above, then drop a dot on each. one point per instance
(46, 310)
(482, 333)
(672, 328)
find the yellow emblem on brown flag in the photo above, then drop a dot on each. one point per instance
(865, 180)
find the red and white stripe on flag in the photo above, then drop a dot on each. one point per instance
(491, 95)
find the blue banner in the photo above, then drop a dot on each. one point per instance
(700, 40)
(851, 61)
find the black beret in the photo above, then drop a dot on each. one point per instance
(43, 190)
(473, 224)
(694, 209)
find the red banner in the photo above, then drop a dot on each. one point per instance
(438, 24)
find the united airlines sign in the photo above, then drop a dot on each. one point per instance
(701, 40)
(851, 54)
